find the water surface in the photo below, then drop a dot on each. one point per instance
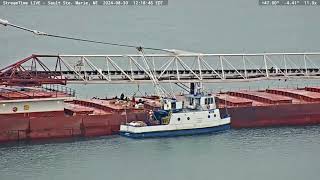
(272, 153)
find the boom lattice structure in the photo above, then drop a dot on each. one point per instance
(173, 67)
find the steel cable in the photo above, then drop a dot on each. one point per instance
(139, 48)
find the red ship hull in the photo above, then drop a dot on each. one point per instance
(276, 115)
(58, 125)
(272, 107)
(89, 118)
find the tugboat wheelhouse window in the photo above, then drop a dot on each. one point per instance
(191, 101)
(208, 101)
(173, 105)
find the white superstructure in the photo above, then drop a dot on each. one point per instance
(195, 116)
(183, 121)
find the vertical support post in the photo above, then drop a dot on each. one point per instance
(265, 64)
(154, 66)
(199, 65)
(60, 68)
(221, 64)
(177, 69)
(108, 68)
(285, 64)
(130, 61)
(84, 69)
(305, 64)
(244, 66)
(35, 68)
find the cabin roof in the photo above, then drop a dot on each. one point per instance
(198, 96)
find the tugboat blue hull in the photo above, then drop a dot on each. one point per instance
(173, 133)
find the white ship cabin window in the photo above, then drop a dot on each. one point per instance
(188, 118)
(178, 119)
(198, 101)
(208, 101)
(191, 101)
(214, 115)
(173, 105)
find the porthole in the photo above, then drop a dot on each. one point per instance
(188, 118)
(208, 116)
(178, 119)
(215, 115)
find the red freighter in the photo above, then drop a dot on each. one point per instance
(37, 113)
(34, 113)
(272, 107)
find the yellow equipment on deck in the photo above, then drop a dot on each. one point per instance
(166, 120)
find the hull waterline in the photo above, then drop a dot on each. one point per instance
(174, 133)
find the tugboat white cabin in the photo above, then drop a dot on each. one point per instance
(198, 115)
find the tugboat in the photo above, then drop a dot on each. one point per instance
(198, 115)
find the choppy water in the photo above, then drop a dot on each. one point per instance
(273, 153)
(199, 26)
